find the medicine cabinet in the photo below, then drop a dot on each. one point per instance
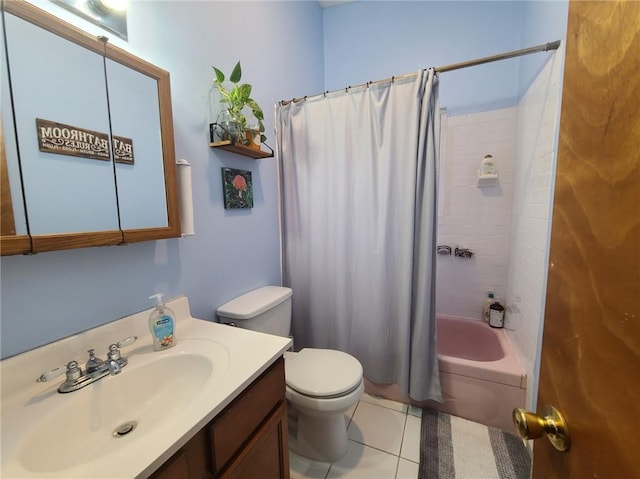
(88, 154)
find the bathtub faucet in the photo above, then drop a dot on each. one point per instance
(463, 252)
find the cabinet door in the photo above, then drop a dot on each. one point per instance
(65, 192)
(175, 468)
(266, 456)
(135, 123)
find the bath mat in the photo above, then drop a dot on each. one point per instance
(455, 448)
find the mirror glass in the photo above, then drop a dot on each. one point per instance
(13, 217)
(135, 121)
(60, 105)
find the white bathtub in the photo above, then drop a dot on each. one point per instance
(480, 373)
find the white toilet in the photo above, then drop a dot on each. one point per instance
(322, 384)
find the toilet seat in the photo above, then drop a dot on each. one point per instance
(322, 373)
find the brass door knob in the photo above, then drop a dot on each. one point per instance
(551, 424)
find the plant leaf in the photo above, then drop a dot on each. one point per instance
(219, 75)
(244, 91)
(236, 74)
(223, 91)
(255, 108)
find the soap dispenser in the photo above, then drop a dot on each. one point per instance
(162, 325)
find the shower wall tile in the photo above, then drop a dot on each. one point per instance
(472, 217)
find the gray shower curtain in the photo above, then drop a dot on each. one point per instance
(358, 208)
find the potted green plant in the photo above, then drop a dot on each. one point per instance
(235, 99)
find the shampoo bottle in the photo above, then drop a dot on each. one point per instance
(487, 304)
(496, 315)
(162, 325)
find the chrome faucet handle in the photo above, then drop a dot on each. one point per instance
(114, 353)
(114, 349)
(51, 374)
(116, 361)
(126, 341)
(73, 371)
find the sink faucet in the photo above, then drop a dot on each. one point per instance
(95, 368)
(93, 364)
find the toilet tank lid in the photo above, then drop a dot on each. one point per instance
(255, 302)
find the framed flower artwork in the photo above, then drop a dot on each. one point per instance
(237, 188)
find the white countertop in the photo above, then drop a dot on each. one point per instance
(238, 358)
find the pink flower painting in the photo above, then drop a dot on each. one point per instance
(237, 188)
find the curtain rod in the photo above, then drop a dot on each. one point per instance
(454, 66)
(502, 56)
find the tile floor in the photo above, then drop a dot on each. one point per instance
(384, 443)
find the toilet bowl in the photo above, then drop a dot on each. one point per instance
(321, 384)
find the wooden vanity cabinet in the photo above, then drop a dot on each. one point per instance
(247, 440)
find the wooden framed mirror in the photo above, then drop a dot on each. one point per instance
(94, 136)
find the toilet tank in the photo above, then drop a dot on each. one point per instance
(266, 309)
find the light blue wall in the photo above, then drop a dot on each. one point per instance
(367, 41)
(48, 296)
(284, 54)
(542, 22)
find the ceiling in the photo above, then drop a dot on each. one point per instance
(333, 3)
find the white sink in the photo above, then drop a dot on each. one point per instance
(153, 387)
(171, 395)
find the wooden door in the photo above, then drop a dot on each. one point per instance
(590, 367)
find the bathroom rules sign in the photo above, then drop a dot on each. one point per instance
(70, 140)
(62, 139)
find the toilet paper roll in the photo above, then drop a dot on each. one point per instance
(186, 197)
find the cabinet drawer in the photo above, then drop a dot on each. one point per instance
(235, 425)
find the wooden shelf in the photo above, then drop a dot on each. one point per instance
(239, 149)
